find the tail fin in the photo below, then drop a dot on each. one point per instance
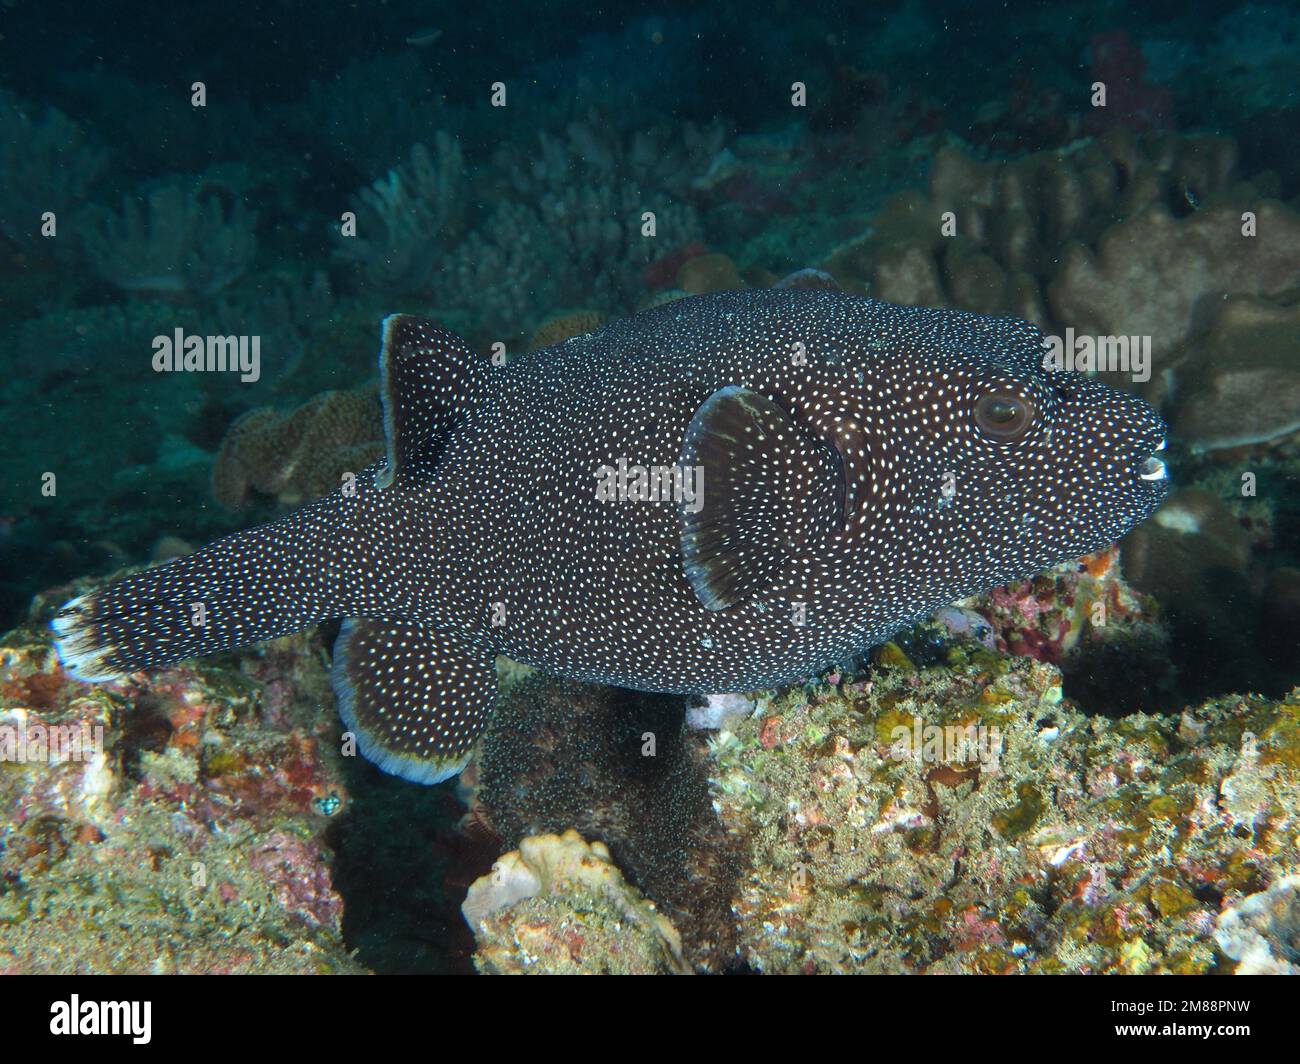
(252, 585)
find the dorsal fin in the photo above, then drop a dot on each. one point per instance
(428, 379)
(769, 491)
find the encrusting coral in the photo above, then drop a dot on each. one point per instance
(301, 454)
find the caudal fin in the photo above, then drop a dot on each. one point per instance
(249, 586)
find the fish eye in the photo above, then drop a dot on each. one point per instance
(1003, 416)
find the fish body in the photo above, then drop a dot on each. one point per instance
(723, 493)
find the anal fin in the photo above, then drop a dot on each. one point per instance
(416, 698)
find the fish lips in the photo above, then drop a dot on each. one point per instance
(1151, 481)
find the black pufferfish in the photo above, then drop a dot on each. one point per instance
(725, 493)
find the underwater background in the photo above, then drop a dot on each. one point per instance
(295, 172)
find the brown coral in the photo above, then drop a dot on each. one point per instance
(1016, 221)
(559, 327)
(1156, 274)
(301, 454)
(1121, 236)
(1240, 381)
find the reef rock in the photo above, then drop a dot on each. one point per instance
(968, 820)
(167, 823)
(1262, 933)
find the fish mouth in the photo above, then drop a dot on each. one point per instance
(1152, 469)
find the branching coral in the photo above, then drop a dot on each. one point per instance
(407, 220)
(187, 242)
(48, 166)
(572, 229)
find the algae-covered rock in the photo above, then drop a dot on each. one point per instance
(169, 822)
(1262, 933)
(968, 820)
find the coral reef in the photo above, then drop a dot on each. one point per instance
(302, 454)
(167, 824)
(190, 241)
(1262, 933)
(1240, 380)
(286, 314)
(1037, 841)
(1205, 252)
(1085, 618)
(558, 905)
(52, 171)
(569, 227)
(407, 221)
(1016, 221)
